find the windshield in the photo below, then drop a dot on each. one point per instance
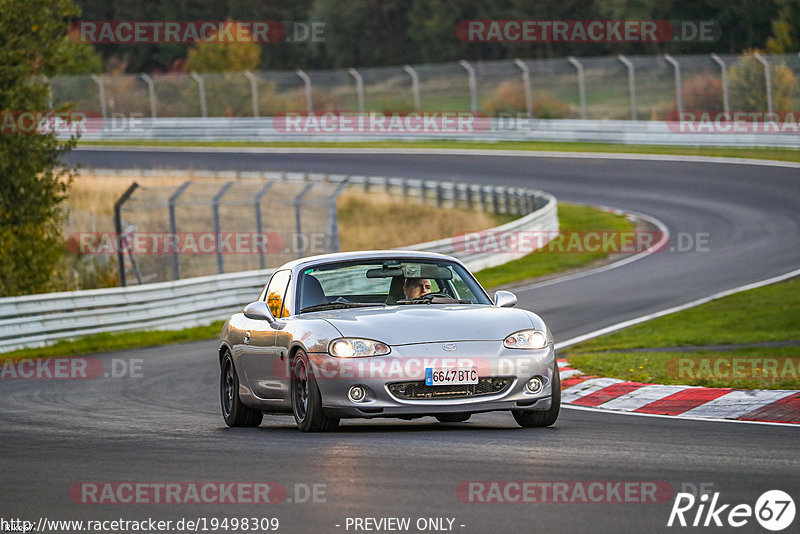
(393, 282)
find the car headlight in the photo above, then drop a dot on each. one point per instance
(526, 339)
(349, 347)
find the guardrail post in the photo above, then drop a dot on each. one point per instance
(724, 78)
(298, 200)
(581, 86)
(473, 85)
(217, 226)
(359, 88)
(118, 229)
(678, 85)
(253, 90)
(259, 223)
(151, 92)
(439, 194)
(414, 85)
(631, 84)
(102, 90)
(767, 79)
(495, 200)
(332, 235)
(173, 227)
(201, 87)
(307, 82)
(526, 84)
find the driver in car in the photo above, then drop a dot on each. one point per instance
(414, 288)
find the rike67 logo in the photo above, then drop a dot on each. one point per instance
(774, 511)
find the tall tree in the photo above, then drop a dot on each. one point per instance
(32, 180)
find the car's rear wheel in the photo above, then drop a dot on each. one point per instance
(234, 411)
(453, 417)
(530, 419)
(306, 398)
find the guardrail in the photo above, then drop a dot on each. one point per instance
(263, 129)
(36, 320)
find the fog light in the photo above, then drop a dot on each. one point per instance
(357, 393)
(534, 385)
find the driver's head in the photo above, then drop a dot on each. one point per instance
(416, 287)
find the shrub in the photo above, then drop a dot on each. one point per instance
(747, 85)
(702, 93)
(509, 97)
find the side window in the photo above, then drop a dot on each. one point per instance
(276, 293)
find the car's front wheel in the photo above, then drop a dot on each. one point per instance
(233, 411)
(306, 398)
(530, 419)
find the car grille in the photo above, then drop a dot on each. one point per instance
(418, 390)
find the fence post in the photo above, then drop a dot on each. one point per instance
(473, 85)
(359, 88)
(724, 78)
(201, 87)
(332, 235)
(581, 85)
(118, 229)
(307, 82)
(217, 226)
(631, 84)
(298, 200)
(526, 83)
(46, 81)
(253, 90)
(767, 79)
(173, 227)
(414, 85)
(259, 223)
(678, 85)
(102, 90)
(151, 91)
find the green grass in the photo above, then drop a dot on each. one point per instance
(769, 313)
(782, 154)
(107, 342)
(572, 218)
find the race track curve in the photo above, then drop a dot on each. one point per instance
(165, 425)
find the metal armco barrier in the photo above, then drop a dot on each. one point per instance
(37, 320)
(262, 129)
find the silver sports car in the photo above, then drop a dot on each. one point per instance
(384, 334)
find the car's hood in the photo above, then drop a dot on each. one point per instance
(402, 325)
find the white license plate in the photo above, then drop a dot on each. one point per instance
(445, 376)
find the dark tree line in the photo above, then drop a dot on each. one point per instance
(392, 32)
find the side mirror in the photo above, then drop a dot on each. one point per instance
(257, 310)
(504, 299)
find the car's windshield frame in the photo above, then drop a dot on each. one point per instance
(458, 270)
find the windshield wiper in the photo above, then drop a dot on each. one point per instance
(337, 305)
(434, 299)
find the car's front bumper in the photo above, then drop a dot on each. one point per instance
(335, 376)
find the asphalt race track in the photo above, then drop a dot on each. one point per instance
(165, 424)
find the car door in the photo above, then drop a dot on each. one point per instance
(261, 359)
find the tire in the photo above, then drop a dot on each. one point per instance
(233, 411)
(306, 398)
(531, 419)
(453, 417)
